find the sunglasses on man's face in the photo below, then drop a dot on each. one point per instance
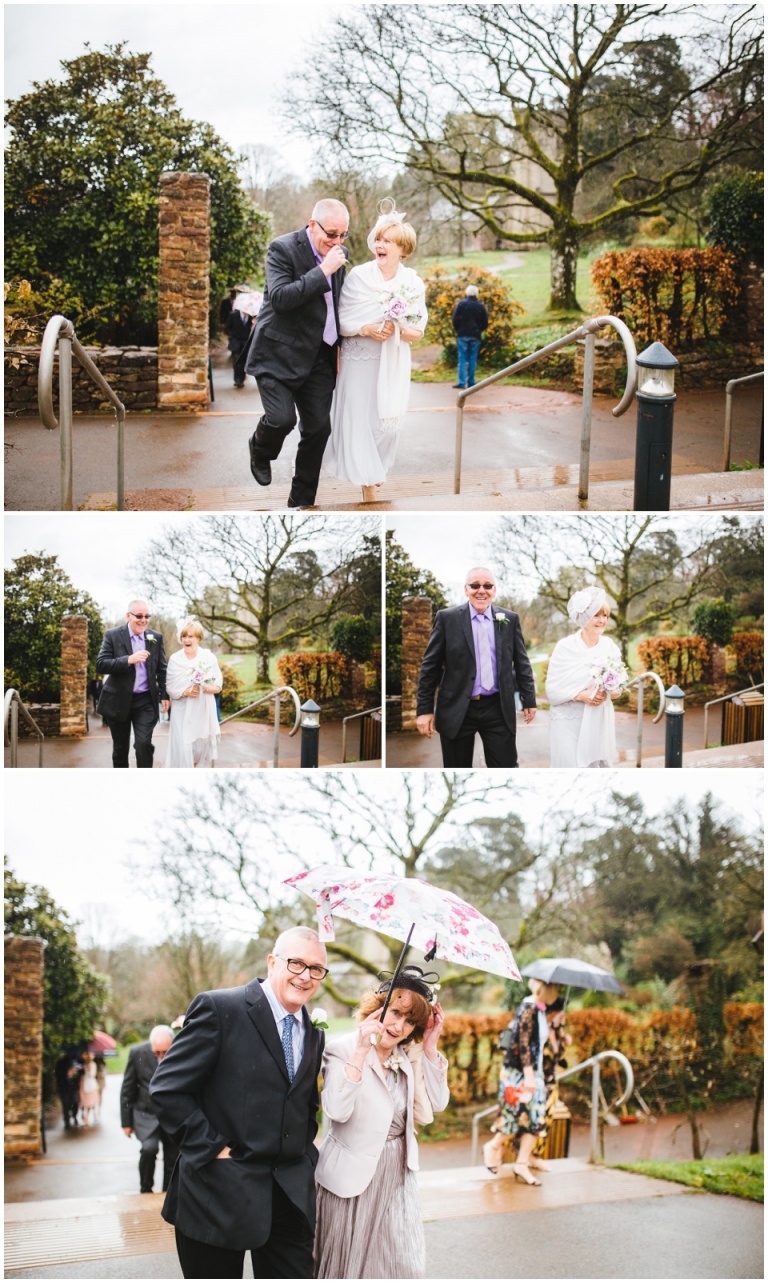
(139, 616)
(333, 236)
(475, 587)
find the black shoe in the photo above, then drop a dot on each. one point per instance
(261, 468)
(238, 385)
(292, 504)
(460, 385)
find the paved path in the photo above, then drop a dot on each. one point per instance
(513, 428)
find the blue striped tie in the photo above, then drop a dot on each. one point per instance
(288, 1045)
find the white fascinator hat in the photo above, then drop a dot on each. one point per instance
(183, 624)
(585, 603)
(388, 213)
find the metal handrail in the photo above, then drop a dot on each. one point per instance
(62, 332)
(351, 718)
(273, 694)
(721, 699)
(729, 387)
(14, 702)
(587, 332)
(594, 1061)
(638, 682)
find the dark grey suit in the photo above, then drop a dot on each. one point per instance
(449, 664)
(120, 707)
(225, 1082)
(138, 1112)
(294, 368)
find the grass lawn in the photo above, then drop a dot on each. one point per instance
(738, 1174)
(245, 666)
(116, 1064)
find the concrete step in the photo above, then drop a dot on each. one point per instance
(485, 490)
(749, 756)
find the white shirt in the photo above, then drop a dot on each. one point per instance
(280, 1012)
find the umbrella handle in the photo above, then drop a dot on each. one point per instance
(397, 972)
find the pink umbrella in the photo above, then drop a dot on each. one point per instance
(100, 1043)
(437, 921)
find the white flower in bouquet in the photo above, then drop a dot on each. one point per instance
(611, 678)
(402, 306)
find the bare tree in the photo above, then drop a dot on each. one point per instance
(259, 583)
(510, 110)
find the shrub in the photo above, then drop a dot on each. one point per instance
(656, 227)
(445, 290)
(353, 636)
(749, 649)
(736, 216)
(665, 954)
(316, 675)
(713, 620)
(680, 660)
(232, 687)
(672, 295)
(373, 670)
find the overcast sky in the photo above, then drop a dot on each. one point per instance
(85, 843)
(226, 64)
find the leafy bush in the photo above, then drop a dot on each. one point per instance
(37, 596)
(445, 290)
(713, 620)
(671, 295)
(316, 675)
(679, 660)
(354, 637)
(736, 215)
(231, 690)
(656, 226)
(749, 649)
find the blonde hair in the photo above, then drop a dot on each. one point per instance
(604, 610)
(543, 992)
(419, 1009)
(192, 628)
(401, 233)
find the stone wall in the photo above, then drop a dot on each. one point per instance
(47, 717)
(417, 626)
(130, 371)
(182, 294)
(73, 690)
(23, 1046)
(702, 365)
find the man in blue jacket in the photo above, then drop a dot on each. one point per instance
(469, 321)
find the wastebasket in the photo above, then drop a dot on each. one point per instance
(558, 1139)
(743, 718)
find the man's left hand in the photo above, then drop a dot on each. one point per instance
(528, 715)
(165, 705)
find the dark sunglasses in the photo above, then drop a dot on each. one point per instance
(333, 236)
(475, 587)
(130, 612)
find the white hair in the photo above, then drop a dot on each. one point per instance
(472, 291)
(473, 570)
(328, 207)
(137, 601)
(301, 933)
(161, 1033)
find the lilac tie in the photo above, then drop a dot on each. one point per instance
(288, 1045)
(486, 663)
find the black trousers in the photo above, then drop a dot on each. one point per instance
(312, 397)
(143, 719)
(148, 1157)
(238, 362)
(287, 1253)
(484, 718)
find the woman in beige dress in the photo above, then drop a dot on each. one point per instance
(377, 1082)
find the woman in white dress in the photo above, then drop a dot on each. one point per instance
(193, 681)
(382, 311)
(581, 716)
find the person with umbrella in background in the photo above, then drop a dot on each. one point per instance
(239, 326)
(527, 1089)
(378, 1082)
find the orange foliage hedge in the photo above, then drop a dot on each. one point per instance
(675, 659)
(749, 649)
(671, 295)
(315, 675)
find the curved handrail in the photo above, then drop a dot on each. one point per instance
(58, 327)
(279, 690)
(351, 718)
(605, 1055)
(13, 701)
(662, 693)
(729, 390)
(638, 681)
(721, 699)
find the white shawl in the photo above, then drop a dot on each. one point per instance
(569, 673)
(361, 303)
(199, 715)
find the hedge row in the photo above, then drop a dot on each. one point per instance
(673, 295)
(316, 675)
(675, 659)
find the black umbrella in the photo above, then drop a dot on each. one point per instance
(574, 973)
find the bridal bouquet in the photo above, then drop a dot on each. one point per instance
(611, 678)
(200, 674)
(402, 306)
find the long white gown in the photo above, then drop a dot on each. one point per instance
(372, 390)
(579, 734)
(195, 731)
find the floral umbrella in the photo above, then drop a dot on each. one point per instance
(102, 1044)
(408, 909)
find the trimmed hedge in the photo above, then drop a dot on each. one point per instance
(315, 675)
(749, 649)
(675, 659)
(671, 295)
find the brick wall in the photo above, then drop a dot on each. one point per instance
(73, 691)
(182, 295)
(23, 1046)
(417, 626)
(130, 371)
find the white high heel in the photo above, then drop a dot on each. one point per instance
(369, 494)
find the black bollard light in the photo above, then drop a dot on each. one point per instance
(655, 419)
(310, 735)
(673, 741)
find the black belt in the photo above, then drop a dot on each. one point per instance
(493, 695)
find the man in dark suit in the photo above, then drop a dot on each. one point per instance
(477, 657)
(294, 350)
(137, 1113)
(133, 658)
(238, 1091)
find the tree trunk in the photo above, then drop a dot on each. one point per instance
(754, 1144)
(264, 665)
(564, 248)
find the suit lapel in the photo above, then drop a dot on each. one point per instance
(311, 1036)
(261, 1017)
(305, 249)
(125, 638)
(466, 627)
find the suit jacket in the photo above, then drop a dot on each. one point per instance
(449, 663)
(361, 1113)
(224, 1082)
(136, 1108)
(291, 320)
(115, 700)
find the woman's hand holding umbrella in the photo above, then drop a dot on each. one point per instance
(369, 1032)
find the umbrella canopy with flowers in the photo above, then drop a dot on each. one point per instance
(101, 1044)
(248, 303)
(407, 909)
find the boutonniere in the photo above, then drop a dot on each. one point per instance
(393, 1062)
(319, 1018)
(502, 619)
(150, 640)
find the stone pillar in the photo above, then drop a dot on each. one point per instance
(74, 675)
(23, 1046)
(182, 291)
(417, 626)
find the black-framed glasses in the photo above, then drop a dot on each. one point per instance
(333, 236)
(297, 967)
(130, 612)
(475, 587)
